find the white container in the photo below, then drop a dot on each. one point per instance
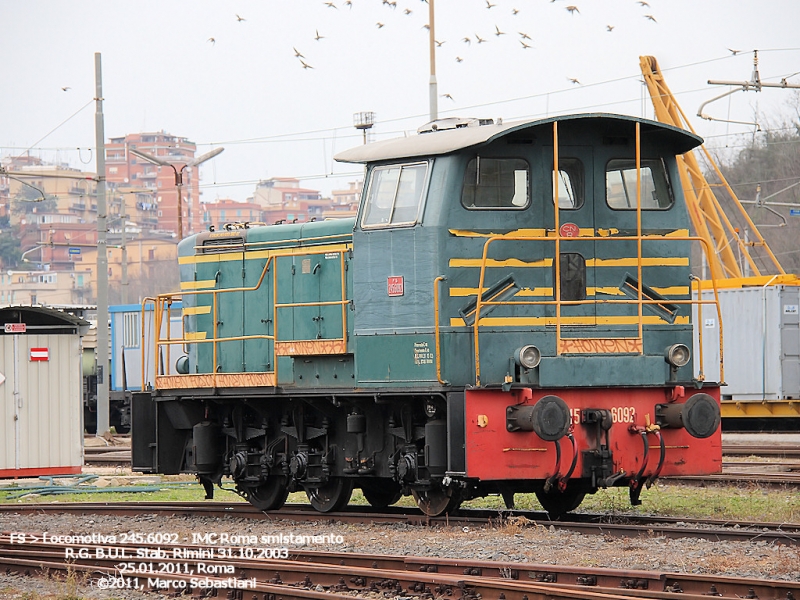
(127, 350)
(761, 342)
(41, 404)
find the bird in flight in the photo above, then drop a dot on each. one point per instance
(240, 19)
(651, 17)
(305, 64)
(348, 3)
(448, 96)
(296, 53)
(466, 40)
(524, 45)
(643, 3)
(426, 26)
(440, 44)
(572, 9)
(318, 37)
(459, 59)
(379, 24)
(66, 88)
(573, 80)
(489, 4)
(514, 11)
(734, 52)
(212, 40)
(408, 11)
(479, 38)
(497, 32)
(609, 28)
(524, 35)
(331, 5)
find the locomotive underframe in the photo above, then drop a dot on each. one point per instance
(441, 447)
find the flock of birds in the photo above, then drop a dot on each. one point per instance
(525, 40)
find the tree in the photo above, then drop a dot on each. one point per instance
(10, 249)
(768, 167)
(30, 200)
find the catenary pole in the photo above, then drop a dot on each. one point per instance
(434, 94)
(102, 257)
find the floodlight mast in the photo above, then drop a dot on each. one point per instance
(178, 175)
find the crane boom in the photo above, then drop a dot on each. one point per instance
(707, 215)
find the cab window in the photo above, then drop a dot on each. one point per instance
(394, 195)
(496, 183)
(570, 180)
(621, 185)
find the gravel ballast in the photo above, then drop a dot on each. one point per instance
(516, 541)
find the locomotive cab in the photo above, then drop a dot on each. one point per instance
(510, 311)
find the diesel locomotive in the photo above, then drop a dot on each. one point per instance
(510, 311)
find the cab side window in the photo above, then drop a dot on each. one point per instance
(394, 195)
(496, 183)
(621, 185)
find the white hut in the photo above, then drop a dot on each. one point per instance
(41, 432)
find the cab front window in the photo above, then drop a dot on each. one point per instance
(621, 185)
(394, 195)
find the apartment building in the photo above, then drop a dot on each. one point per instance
(44, 287)
(125, 170)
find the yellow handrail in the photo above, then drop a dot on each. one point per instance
(640, 301)
(436, 282)
(160, 300)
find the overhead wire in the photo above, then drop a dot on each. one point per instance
(46, 135)
(340, 132)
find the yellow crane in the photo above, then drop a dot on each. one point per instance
(708, 217)
(764, 380)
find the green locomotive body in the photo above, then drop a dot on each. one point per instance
(508, 294)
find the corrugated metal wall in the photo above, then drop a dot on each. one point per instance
(50, 433)
(761, 328)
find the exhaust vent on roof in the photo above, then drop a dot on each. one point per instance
(456, 123)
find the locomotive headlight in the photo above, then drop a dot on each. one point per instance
(182, 365)
(527, 356)
(677, 355)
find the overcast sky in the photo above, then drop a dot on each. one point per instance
(227, 74)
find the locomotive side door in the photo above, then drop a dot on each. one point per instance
(575, 186)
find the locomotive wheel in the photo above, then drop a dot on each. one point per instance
(437, 501)
(268, 496)
(381, 494)
(332, 496)
(559, 503)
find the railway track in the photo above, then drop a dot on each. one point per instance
(122, 454)
(778, 473)
(309, 574)
(590, 524)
